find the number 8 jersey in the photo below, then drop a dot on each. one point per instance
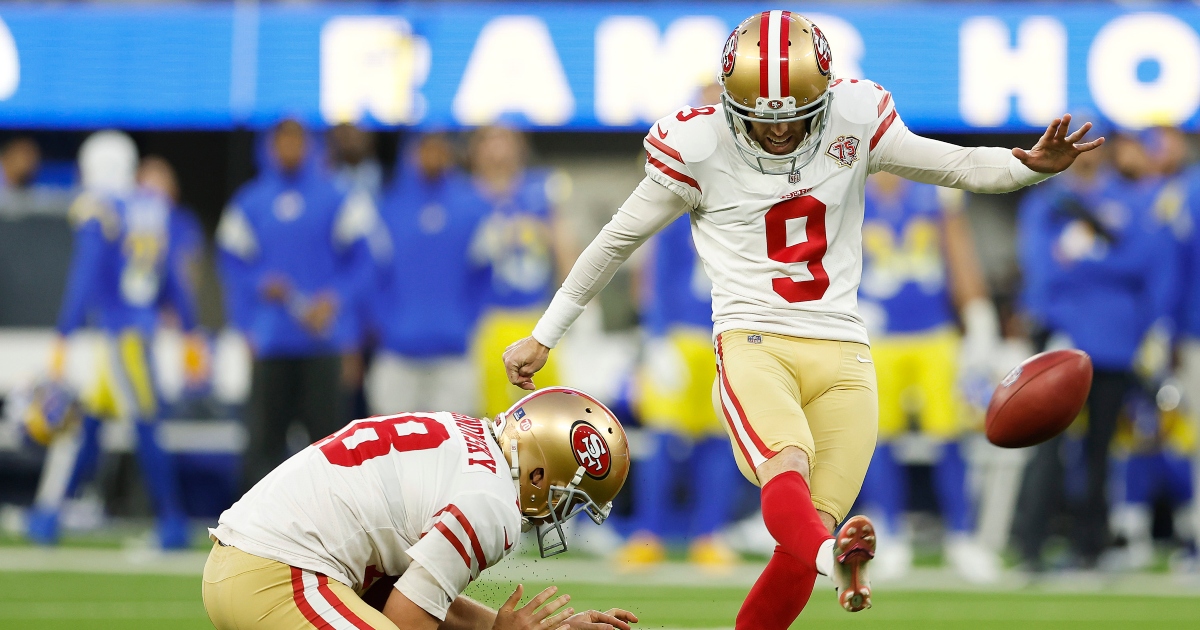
(380, 493)
(784, 253)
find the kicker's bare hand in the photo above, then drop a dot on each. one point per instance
(615, 619)
(523, 359)
(1056, 149)
(528, 617)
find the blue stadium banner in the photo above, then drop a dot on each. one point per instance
(951, 67)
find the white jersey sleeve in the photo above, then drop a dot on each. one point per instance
(650, 208)
(895, 149)
(473, 532)
(672, 144)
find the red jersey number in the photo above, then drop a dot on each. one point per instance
(371, 438)
(810, 251)
(694, 112)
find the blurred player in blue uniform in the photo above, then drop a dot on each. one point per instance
(1100, 272)
(674, 390)
(356, 171)
(124, 271)
(1160, 437)
(294, 262)
(521, 241)
(432, 292)
(156, 173)
(918, 266)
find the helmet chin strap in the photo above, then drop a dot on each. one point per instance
(514, 459)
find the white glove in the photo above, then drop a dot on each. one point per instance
(981, 339)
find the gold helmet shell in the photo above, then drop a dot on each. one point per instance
(567, 454)
(776, 67)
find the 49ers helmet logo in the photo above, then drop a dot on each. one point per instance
(729, 55)
(590, 449)
(821, 48)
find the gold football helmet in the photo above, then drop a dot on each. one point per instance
(567, 454)
(776, 67)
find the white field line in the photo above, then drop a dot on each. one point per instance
(521, 568)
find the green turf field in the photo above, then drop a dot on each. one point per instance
(44, 601)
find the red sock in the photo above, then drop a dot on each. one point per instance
(792, 519)
(784, 587)
(779, 595)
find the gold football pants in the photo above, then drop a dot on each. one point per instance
(243, 591)
(775, 391)
(918, 375)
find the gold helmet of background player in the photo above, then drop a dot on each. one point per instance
(567, 454)
(776, 67)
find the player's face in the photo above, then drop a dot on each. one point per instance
(497, 149)
(779, 138)
(1129, 156)
(290, 146)
(434, 156)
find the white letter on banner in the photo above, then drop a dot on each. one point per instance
(1126, 42)
(514, 68)
(372, 65)
(990, 71)
(10, 64)
(845, 42)
(641, 77)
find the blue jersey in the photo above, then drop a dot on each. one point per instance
(126, 264)
(679, 292)
(300, 228)
(516, 242)
(1189, 302)
(904, 269)
(1099, 265)
(432, 292)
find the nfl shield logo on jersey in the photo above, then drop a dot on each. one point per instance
(843, 150)
(794, 177)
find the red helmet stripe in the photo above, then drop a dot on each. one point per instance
(764, 26)
(784, 23)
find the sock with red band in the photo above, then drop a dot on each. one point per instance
(779, 595)
(784, 587)
(788, 511)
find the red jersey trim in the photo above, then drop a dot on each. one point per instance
(662, 146)
(466, 525)
(672, 173)
(458, 546)
(883, 127)
(887, 98)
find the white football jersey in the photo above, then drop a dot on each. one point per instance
(368, 500)
(784, 253)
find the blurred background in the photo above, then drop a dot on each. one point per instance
(226, 229)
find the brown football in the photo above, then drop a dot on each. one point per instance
(1039, 399)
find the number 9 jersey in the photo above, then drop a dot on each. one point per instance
(784, 252)
(379, 494)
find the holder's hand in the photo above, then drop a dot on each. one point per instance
(615, 619)
(1056, 150)
(523, 359)
(528, 617)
